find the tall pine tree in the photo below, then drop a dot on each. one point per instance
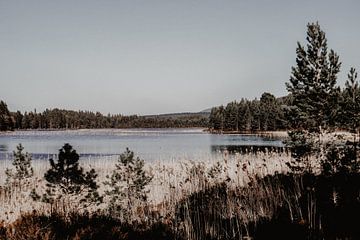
(314, 99)
(313, 79)
(350, 104)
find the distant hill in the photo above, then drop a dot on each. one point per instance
(208, 110)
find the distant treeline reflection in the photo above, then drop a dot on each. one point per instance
(243, 149)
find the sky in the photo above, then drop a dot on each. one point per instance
(152, 57)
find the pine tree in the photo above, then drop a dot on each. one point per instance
(350, 106)
(255, 115)
(231, 117)
(313, 79)
(6, 121)
(345, 158)
(18, 120)
(126, 185)
(68, 185)
(22, 172)
(268, 112)
(314, 97)
(217, 118)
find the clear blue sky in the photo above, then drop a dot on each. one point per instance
(148, 57)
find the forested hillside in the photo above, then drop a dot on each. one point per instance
(68, 119)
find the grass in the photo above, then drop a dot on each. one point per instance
(232, 197)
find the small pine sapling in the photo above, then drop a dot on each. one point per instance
(126, 186)
(22, 172)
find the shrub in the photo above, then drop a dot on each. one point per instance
(126, 185)
(21, 173)
(68, 184)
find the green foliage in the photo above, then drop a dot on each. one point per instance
(126, 185)
(6, 121)
(67, 181)
(22, 171)
(302, 146)
(349, 109)
(67, 119)
(341, 158)
(313, 79)
(318, 106)
(216, 119)
(265, 115)
(231, 117)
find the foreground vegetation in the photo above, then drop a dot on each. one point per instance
(236, 198)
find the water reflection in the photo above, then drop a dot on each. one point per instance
(3, 148)
(243, 149)
(166, 144)
(46, 156)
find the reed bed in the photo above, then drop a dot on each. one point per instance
(172, 182)
(226, 197)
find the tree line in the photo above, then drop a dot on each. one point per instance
(68, 119)
(266, 114)
(335, 107)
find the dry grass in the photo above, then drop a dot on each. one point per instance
(222, 198)
(173, 181)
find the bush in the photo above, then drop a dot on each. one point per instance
(126, 186)
(21, 173)
(67, 183)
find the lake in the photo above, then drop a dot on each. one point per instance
(149, 144)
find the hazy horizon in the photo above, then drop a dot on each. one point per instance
(154, 57)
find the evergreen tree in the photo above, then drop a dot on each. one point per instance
(25, 123)
(345, 158)
(313, 79)
(22, 171)
(217, 118)
(127, 185)
(231, 122)
(6, 121)
(244, 115)
(268, 112)
(18, 120)
(68, 185)
(350, 104)
(256, 114)
(314, 97)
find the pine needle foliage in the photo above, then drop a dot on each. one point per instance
(313, 80)
(68, 183)
(315, 97)
(127, 185)
(22, 170)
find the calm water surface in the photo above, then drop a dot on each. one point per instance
(149, 144)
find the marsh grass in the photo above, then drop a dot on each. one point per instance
(172, 181)
(232, 197)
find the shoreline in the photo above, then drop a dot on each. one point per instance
(268, 134)
(279, 134)
(89, 129)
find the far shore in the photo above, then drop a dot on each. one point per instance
(272, 134)
(87, 129)
(277, 134)
(284, 134)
